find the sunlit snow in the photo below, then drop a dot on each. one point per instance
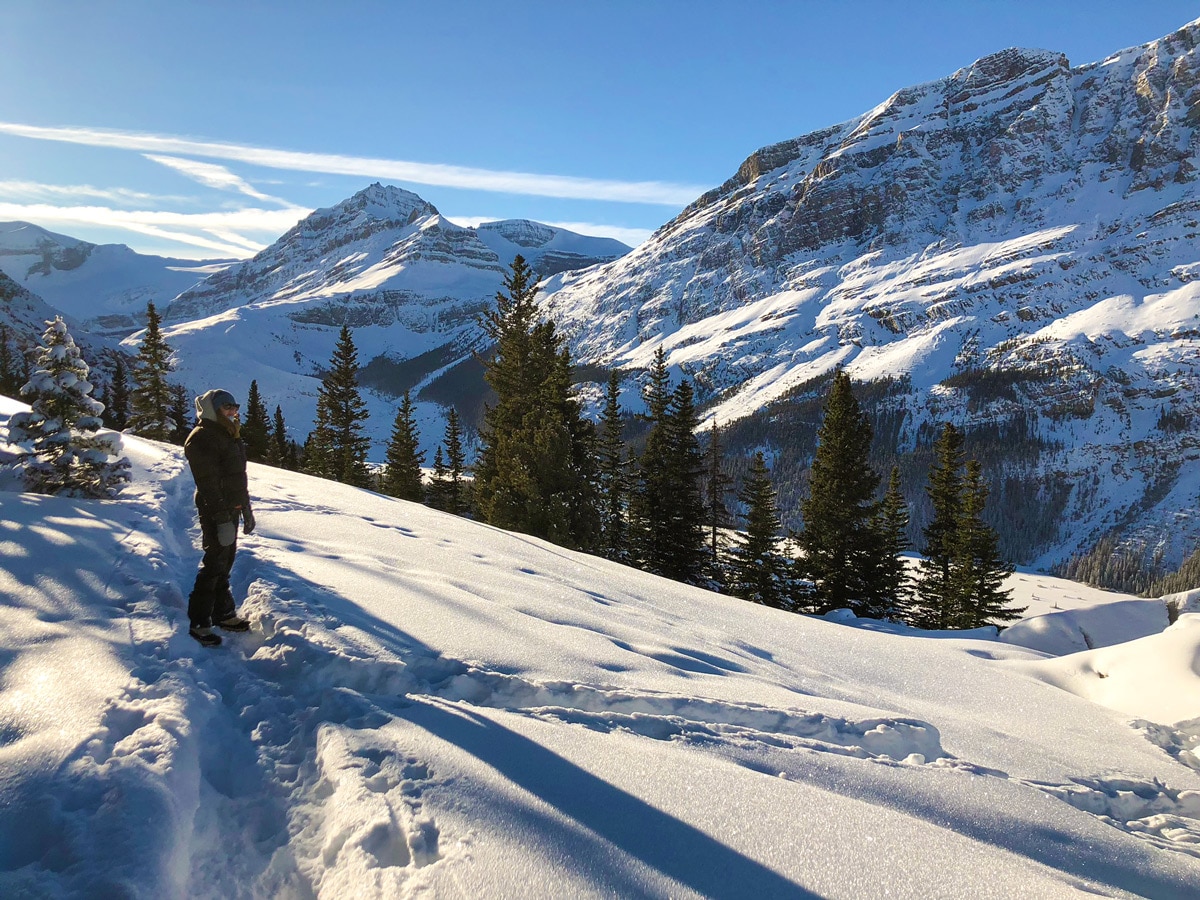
(432, 707)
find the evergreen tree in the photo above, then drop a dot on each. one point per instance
(758, 572)
(455, 495)
(256, 427)
(535, 472)
(337, 448)
(182, 414)
(151, 397)
(282, 451)
(687, 473)
(840, 542)
(116, 413)
(715, 489)
(613, 477)
(402, 472)
(896, 584)
(439, 480)
(978, 571)
(667, 507)
(12, 368)
(657, 390)
(938, 596)
(65, 453)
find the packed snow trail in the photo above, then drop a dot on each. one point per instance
(428, 706)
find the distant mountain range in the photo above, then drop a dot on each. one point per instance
(1013, 247)
(409, 282)
(103, 287)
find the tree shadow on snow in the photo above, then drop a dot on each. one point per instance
(610, 820)
(632, 826)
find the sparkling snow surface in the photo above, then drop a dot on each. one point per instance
(432, 707)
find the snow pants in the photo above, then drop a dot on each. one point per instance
(212, 599)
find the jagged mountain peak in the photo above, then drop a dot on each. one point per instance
(386, 202)
(1019, 221)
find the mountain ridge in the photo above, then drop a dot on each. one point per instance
(986, 222)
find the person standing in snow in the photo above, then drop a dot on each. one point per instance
(217, 458)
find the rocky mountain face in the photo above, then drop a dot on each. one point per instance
(104, 288)
(1013, 246)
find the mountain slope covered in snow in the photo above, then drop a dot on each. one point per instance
(1015, 245)
(410, 283)
(431, 707)
(103, 287)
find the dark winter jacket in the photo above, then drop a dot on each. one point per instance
(218, 462)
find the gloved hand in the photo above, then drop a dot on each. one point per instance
(227, 533)
(248, 522)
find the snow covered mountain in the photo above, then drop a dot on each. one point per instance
(25, 314)
(384, 250)
(430, 707)
(105, 287)
(1015, 243)
(410, 283)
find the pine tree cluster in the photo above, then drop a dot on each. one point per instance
(545, 470)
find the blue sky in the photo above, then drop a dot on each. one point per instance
(206, 129)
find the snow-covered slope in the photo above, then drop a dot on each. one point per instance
(104, 287)
(1026, 227)
(548, 250)
(410, 283)
(431, 707)
(25, 314)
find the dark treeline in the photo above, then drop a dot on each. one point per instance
(656, 492)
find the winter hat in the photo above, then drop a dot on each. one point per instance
(208, 404)
(222, 398)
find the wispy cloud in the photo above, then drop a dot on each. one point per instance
(213, 176)
(34, 190)
(231, 233)
(563, 186)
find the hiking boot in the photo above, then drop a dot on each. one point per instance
(234, 623)
(205, 636)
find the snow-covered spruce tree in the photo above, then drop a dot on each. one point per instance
(13, 370)
(65, 454)
(151, 398)
(402, 473)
